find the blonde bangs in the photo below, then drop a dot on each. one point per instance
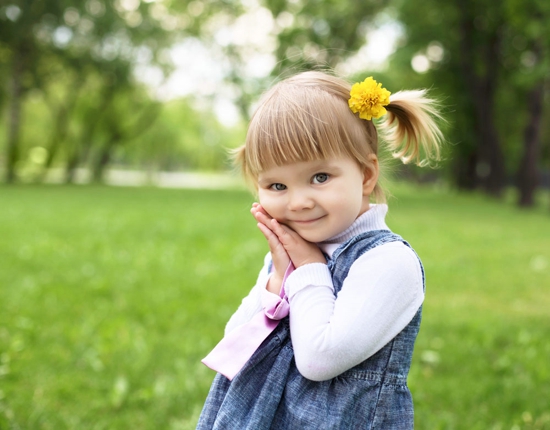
(297, 123)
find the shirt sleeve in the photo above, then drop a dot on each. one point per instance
(258, 299)
(379, 297)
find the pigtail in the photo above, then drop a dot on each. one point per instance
(237, 156)
(238, 160)
(410, 127)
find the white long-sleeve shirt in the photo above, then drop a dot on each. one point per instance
(379, 297)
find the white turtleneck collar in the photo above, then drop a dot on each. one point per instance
(373, 219)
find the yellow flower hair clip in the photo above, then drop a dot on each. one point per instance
(368, 98)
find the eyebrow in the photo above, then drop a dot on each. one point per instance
(317, 167)
(266, 181)
(324, 165)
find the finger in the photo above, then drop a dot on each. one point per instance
(279, 256)
(268, 233)
(272, 239)
(254, 211)
(263, 218)
(282, 231)
(254, 207)
(261, 209)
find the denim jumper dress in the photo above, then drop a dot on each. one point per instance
(270, 393)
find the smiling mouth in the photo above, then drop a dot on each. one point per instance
(310, 221)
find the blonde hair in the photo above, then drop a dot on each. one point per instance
(306, 117)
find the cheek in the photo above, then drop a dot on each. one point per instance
(352, 200)
(348, 197)
(269, 203)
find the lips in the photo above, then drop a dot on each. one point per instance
(309, 221)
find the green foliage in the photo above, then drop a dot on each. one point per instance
(184, 138)
(75, 53)
(515, 30)
(79, 60)
(321, 32)
(156, 136)
(110, 298)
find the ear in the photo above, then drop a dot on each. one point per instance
(370, 175)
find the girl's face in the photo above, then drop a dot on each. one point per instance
(317, 199)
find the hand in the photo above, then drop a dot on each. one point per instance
(279, 256)
(299, 251)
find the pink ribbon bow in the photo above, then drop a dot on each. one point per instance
(230, 355)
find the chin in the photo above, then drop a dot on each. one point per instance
(313, 238)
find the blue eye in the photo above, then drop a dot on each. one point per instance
(278, 187)
(319, 178)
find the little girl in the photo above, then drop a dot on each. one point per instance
(324, 339)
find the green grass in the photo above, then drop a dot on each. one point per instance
(109, 298)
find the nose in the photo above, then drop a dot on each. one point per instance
(299, 199)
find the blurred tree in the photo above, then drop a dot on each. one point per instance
(20, 55)
(117, 133)
(528, 25)
(42, 42)
(490, 60)
(90, 114)
(300, 34)
(325, 32)
(202, 145)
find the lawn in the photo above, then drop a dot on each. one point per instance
(109, 298)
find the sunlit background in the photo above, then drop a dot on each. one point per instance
(163, 86)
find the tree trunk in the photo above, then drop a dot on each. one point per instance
(103, 159)
(118, 136)
(14, 118)
(528, 174)
(464, 171)
(490, 174)
(61, 124)
(84, 145)
(491, 160)
(72, 164)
